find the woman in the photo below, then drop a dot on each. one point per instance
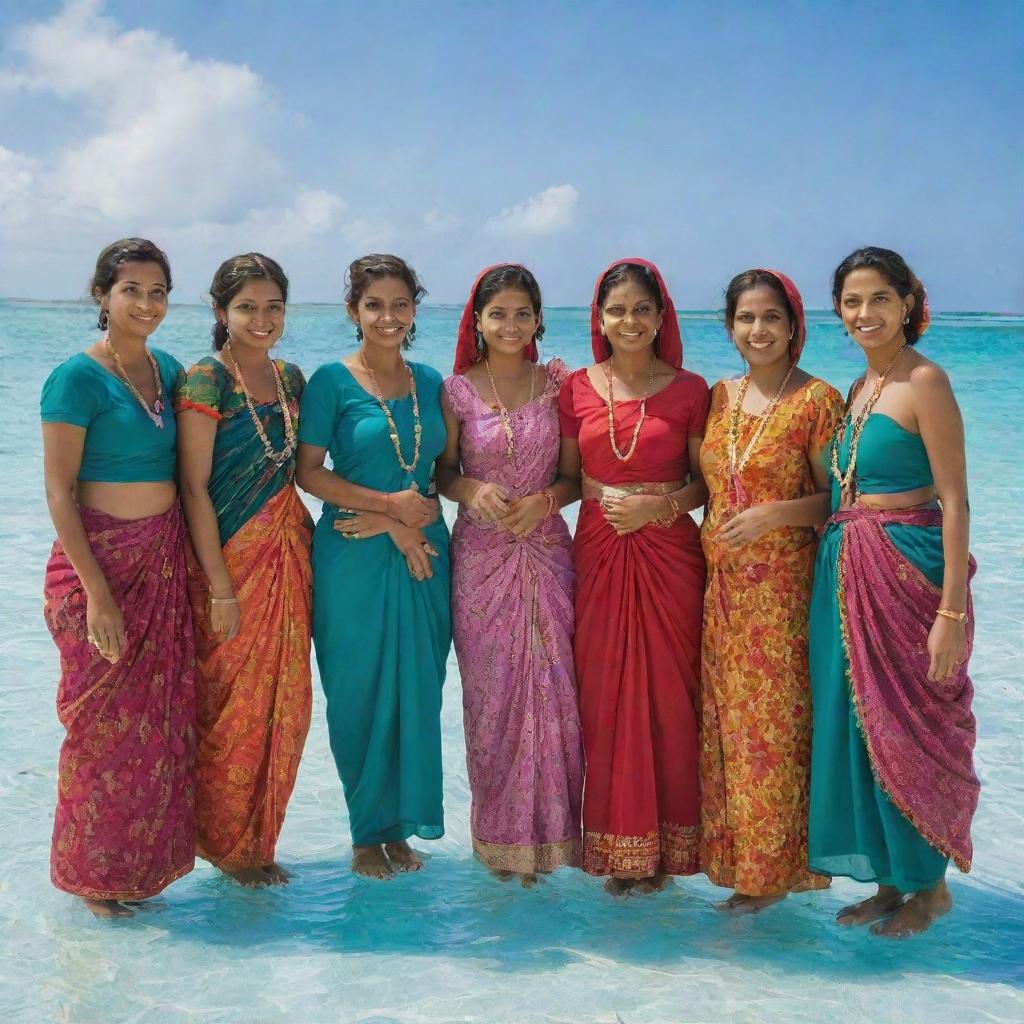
(635, 420)
(893, 787)
(381, 625)
(761, 458)
(512, 582)
(116, 603)
(251, 591)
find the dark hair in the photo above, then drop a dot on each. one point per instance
(635, 272)
(233, 275)
(747, 281)
(509, 275)
(364, 271)
(894, 269)
(115, 256)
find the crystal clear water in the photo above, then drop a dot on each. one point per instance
(451, 944)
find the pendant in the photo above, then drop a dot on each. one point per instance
(739, 492)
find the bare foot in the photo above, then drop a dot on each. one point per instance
(370, 862)
(503, 876)
(619, 886)
(276, 873)
(403, 857)
(249, 878)
(739, 903)
(884, 903)
(528, 880)
(107, 909)
(646, 886)
(917, 914)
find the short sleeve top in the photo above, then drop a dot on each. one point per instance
(122, 444)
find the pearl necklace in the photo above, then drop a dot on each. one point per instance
(158, 406)
(506, 419)
(736, 464)
(417, 429)
(610, 402)
(279, 458)
(848, 481)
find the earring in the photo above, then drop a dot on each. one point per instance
(104, 320)
(359, 332)
(906, 320)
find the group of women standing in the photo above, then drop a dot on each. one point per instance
(745, 701)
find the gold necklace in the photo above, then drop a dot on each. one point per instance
(506, 419)
(158, 406)
(610, 402)
(848, 481)
(736, 464)
(279, 458)
(417, 429)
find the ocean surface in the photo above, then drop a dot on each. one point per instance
(450, 943)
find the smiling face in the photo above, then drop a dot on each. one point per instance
(385, 312)
(762, 327)
(255, 316)
(872, 310)
(630, 317)
(508, 322)
(137, 301)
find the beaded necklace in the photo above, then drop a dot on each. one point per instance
(506, 419)
(158, 406)
(417, 429)
(290, 440)
(610, 402)
(848, 481)
(736, 464)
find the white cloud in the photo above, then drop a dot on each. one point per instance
(438, 221)
(543, 214)
(180, 144)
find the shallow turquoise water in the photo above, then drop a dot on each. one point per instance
(451, 944)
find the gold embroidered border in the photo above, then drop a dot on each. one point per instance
(672, 848)
(528, 860)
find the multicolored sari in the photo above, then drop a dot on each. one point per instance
(254, 691)
(123, 829)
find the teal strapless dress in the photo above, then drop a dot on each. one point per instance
(855, 829)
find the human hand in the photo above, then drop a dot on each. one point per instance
(410, 508)
(363, 525)
(225, 616)
(525, 514)
(488, 502)
(947, 648)
(634, 511)
(745, 527)
(416, 549)
(104, 626)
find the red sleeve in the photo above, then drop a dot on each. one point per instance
(567, 418)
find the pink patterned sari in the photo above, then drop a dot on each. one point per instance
(919, 734)
(124, 829)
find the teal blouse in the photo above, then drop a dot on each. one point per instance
(122, 444)
(890, 459)
(242, 478)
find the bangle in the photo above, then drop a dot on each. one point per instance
(948, 613)
(671, 515)
(223, 600)
(387, 505)
(550, 495)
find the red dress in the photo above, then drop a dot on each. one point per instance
(639, 604)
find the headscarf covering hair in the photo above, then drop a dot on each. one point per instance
(466, 351)
(796, 302)
(669, 343)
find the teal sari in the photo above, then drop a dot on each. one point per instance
(381, 636)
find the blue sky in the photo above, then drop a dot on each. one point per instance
(709, 137)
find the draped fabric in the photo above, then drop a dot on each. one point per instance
(123, 828)
(893, 789)
(512, 618)
(381, 636)
(756, 717)
(254, 692)
(639, 600)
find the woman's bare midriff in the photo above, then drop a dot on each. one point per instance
(899, 499)
(127, 501)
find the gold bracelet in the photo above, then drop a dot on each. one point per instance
(223, 600)
(948, 613)
(669, 518)
(550, 495)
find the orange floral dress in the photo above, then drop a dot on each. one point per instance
(756, 706)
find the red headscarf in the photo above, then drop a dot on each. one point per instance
(792, 293)
(466, 352)
(670, 342)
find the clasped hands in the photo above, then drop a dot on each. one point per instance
(490, 503)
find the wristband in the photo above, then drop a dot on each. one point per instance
(948, 613)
